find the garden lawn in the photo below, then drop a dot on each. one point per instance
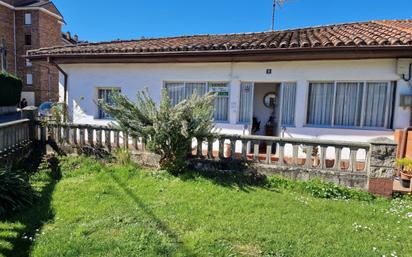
(109, 210)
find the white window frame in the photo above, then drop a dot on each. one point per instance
(165, 82)
(388, 107)
(29, 79)
(28, 19)
(99, 110)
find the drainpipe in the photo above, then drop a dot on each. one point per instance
(66, 77)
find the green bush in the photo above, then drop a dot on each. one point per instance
(15, 191)
(10, 90)
(406, 165)
(320, 189)
(123, 156)
(168, 129)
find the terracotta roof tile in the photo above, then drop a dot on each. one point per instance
(360, 34)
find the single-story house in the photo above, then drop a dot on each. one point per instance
(341, 82)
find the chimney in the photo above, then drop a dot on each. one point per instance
(76, 38)
(68, 35)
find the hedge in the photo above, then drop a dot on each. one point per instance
(10, 90)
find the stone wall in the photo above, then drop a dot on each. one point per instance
(347, 179)
(382, 164)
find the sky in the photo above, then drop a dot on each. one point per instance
(103, 20)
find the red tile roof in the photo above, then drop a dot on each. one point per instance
(394, 33)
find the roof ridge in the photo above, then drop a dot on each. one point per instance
(205, 35)
(350, 34)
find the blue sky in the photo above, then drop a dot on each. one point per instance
(101, 20)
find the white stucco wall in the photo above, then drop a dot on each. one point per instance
(84, 79)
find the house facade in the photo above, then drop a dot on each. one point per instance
(340, 82)
(26, 25)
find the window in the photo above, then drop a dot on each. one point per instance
(288, 104)
(179, 91)
(351, 104)
(27, 19)
(29, 79)
(246, 102)
(105, 94)
(27, 40)
(28, 63)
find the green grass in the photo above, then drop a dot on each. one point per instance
(107, 210)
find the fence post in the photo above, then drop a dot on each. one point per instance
(382, 165)
(30, 112)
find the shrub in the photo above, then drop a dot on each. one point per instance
(320, 189)
(15, 191)
(123, 156)
(168, 129)
(406, 165)
(10, 90)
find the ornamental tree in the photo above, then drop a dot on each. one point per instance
(168, 130)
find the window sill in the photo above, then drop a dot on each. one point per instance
(349, 128)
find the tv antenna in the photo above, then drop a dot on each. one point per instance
(276, 4)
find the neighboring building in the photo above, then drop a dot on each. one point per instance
(26, 25)
(338, 82)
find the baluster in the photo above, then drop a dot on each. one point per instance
(309, 153)
(126, 140)
(221, 148)
(295, 155)
(244, 150)
(281, 153)
(82, 136)
(59, 134)
(233, 149)
(135, 144)
(143, 144)
(90, 135)
(210, 148)
(67, 134)
(322, 157)
(117, 138)
(2, 142)
(74, 135)
(107, 140)
(352, 165)
(99, 137)
(338, 154)
(199, 148)
(256, 151)
(51, 131)
(366, 160)
(268, 152)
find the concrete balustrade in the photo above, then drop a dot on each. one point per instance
(369, 166)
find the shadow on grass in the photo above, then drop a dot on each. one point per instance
(241, 180)
(159, 223)
(19, 229)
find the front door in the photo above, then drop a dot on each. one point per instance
(266, 103)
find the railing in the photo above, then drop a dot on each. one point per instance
(14, 136)
(78, 135)
(286, 152)
(274, 151)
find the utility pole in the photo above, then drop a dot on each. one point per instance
(276, 3)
